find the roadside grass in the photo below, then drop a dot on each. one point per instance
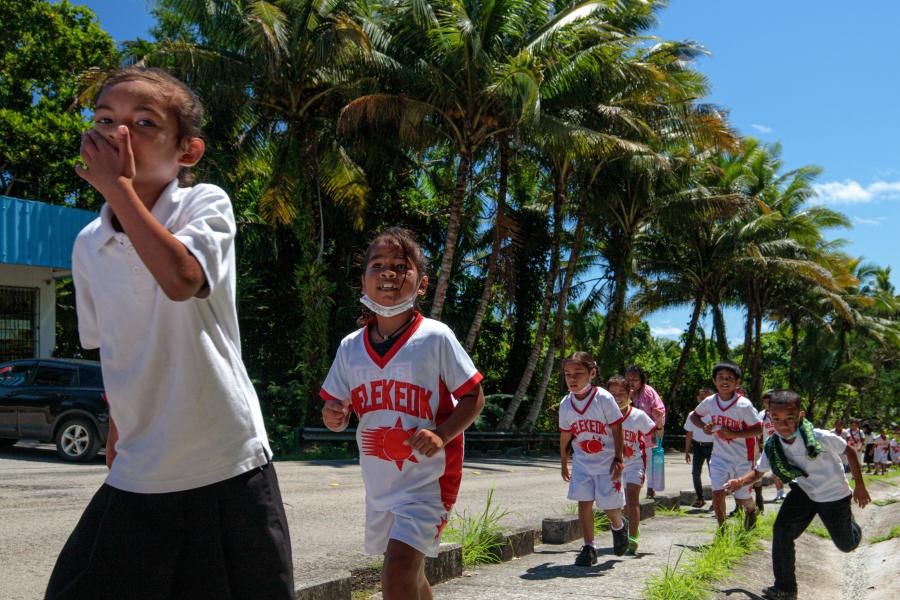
(662, 511)
(692, 575)
(886, 502)
(820, 531)
(892, 478)
(893, 533)
(478, 533)
(601, 521)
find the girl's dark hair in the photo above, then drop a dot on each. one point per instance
(401, 238)
(180, 100)
(639, 370)
(582, 358)
(617, 380)
(784, 398)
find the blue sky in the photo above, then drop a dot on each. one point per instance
(819, 76)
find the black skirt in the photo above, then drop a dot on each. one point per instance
(228, 540)
(869, 456)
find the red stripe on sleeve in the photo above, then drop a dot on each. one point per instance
(324, 395)
(468, 385)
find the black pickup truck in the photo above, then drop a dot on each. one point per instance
(54, 400)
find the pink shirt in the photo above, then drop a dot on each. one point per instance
(649, 401)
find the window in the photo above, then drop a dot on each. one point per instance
(90, 377)
(15, 375)
(54, 376)
(19, 321)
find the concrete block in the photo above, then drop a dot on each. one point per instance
(560, 530)
(515, 543)
(328, 586)
(648, 509)
(667, 499)
(447, 565)
(687, 497)
(707, 492)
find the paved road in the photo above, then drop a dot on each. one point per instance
(41, 499)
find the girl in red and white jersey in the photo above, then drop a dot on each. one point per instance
(414, 390)
(638, 431)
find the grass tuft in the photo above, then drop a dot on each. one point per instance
(886, 502)
(819, 531)
(691, 577)
(479, 534)
(893, 533)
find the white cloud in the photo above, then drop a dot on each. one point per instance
(875, 221)
(666, 331)
(761, 128)
(851, 192)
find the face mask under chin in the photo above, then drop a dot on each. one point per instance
(388, 311)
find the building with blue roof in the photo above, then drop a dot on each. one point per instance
(36, 242)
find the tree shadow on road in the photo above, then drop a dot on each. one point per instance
(548, 570)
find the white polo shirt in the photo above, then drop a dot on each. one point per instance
(825, 480)
(185, 409)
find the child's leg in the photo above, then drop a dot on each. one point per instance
(697, 455)
(794, 517)
(633, 507)
(403, 575)
(615, 517)
(719, 505)
(586, 520)
(837, 517)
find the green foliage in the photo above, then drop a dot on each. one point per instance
(478, 533)
(893, 533)
(45, 49)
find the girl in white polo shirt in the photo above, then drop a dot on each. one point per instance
(810, 459)
(191, 507)
(414, 390)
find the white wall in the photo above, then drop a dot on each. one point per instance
(37, 277)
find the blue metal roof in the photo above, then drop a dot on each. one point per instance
(38, 234)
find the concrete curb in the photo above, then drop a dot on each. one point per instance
(515, 543)
(333, 586)
(447, 565)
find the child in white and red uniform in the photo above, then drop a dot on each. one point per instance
(591, 420)
(638, 431)
(414, 390)
(736, 425)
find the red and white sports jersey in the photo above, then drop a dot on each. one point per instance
(637, 429)
(768, 430)
(589, 421)
(737, 414)
(414, 386)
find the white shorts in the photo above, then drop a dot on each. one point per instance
(607, 494)
(720, 472)
(418, 524)
(635, 471)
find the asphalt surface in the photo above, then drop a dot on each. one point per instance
(41, 499)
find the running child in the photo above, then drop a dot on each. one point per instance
(697, 449)
(736, 426)
(191, 506)
(414, 390)
(590, 418)
(638, 431)
(809, 459)
(882, 453)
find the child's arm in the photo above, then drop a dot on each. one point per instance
(860, 493)
(336, 415)
(617, 465)
(748, 479)
(428, 442)
(564, 438)
(731, 434)
(687, 447)
(698, 421)
(111, 171)
(112, 436)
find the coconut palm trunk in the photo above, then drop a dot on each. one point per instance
(613, 327)
(557, 334)
(756, 387)
(795, 350)
(550, 284)
(721, 335)
(496, 244)
(453, 222)
(685, 352)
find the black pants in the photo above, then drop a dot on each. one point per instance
(794, 517)
(224, 541)
(699, 455)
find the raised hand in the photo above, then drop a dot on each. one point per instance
(336, 414)
(107, 162)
